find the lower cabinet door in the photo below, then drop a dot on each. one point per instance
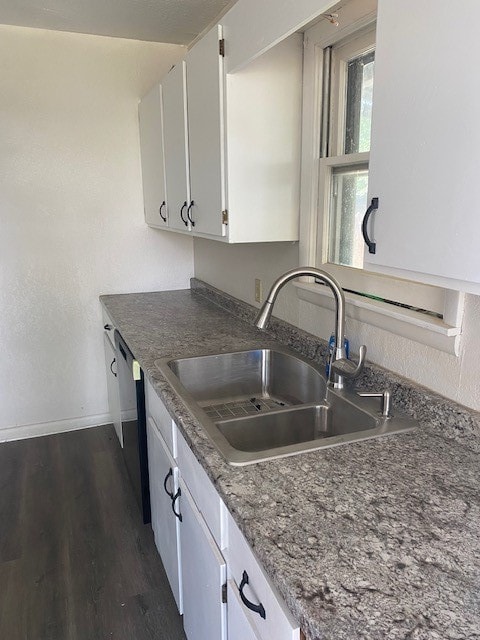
(203, 575)
(239, 626)
(112, 386)
(163, 474)
(264, 607)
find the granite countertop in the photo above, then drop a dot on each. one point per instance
(376, 539)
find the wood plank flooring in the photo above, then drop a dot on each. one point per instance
(76, 563)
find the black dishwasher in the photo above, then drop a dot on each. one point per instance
(133, 422)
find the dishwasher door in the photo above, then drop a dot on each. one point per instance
(133, 423)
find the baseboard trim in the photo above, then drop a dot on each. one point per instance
(48, 428)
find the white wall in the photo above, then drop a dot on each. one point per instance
(71, 214)
(233, 269)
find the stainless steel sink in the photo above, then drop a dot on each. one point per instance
(297, 426)
(261, 404)
(262, 374)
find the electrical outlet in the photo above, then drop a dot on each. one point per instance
(258, 290)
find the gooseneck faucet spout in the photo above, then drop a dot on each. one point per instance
(340, 366)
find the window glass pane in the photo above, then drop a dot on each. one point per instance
(358, 116)
(348, 203)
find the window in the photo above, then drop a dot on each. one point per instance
(339, 78)
(348, 94)
(348, 69)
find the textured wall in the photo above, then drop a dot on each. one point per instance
(71, 212)
(233, 268)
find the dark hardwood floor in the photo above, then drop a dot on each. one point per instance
(76, 563)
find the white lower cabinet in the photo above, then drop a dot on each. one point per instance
(203, 575)
(201, 546)
(163, 486)
(262, 606)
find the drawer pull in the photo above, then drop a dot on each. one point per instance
(372, 247)
(174, 499)
(111, 367)
(184, 206)
(164, 204)
(188, 213)
(169, 475)
(258, 608)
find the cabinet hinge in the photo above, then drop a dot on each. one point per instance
(225, 217)
(224, 593)
(221, 47)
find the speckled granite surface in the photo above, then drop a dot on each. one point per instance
(377, 539)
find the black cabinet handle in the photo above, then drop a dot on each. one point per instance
(184, 206)
(169, 475)
(372, 247)
(258, 608)
(174, 499)
(188, 213)
(111, 367)
(164, 204)
(107, 327)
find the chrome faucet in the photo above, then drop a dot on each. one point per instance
(340, 367)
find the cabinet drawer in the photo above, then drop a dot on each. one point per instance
(202, 490)
(157, 410)
(278, 622)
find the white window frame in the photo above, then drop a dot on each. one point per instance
(443, 334)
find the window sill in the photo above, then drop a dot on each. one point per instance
(419, 327)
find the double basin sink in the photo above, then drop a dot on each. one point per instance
(263, 403)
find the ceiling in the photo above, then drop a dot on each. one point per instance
(173, 21)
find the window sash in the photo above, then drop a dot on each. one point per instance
(363, 43)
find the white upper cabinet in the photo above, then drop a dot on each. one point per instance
(264, 145)
(425, 138)
(232, 143)
(244, 133)
(205, 134)
(153, 167)
(176, 147)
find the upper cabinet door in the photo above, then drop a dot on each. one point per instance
(425, 139)
(206, 134)
(176, 146)
(153, 166)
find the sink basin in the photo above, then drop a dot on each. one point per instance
(297, 426)
(263, 403)
(275, 377)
